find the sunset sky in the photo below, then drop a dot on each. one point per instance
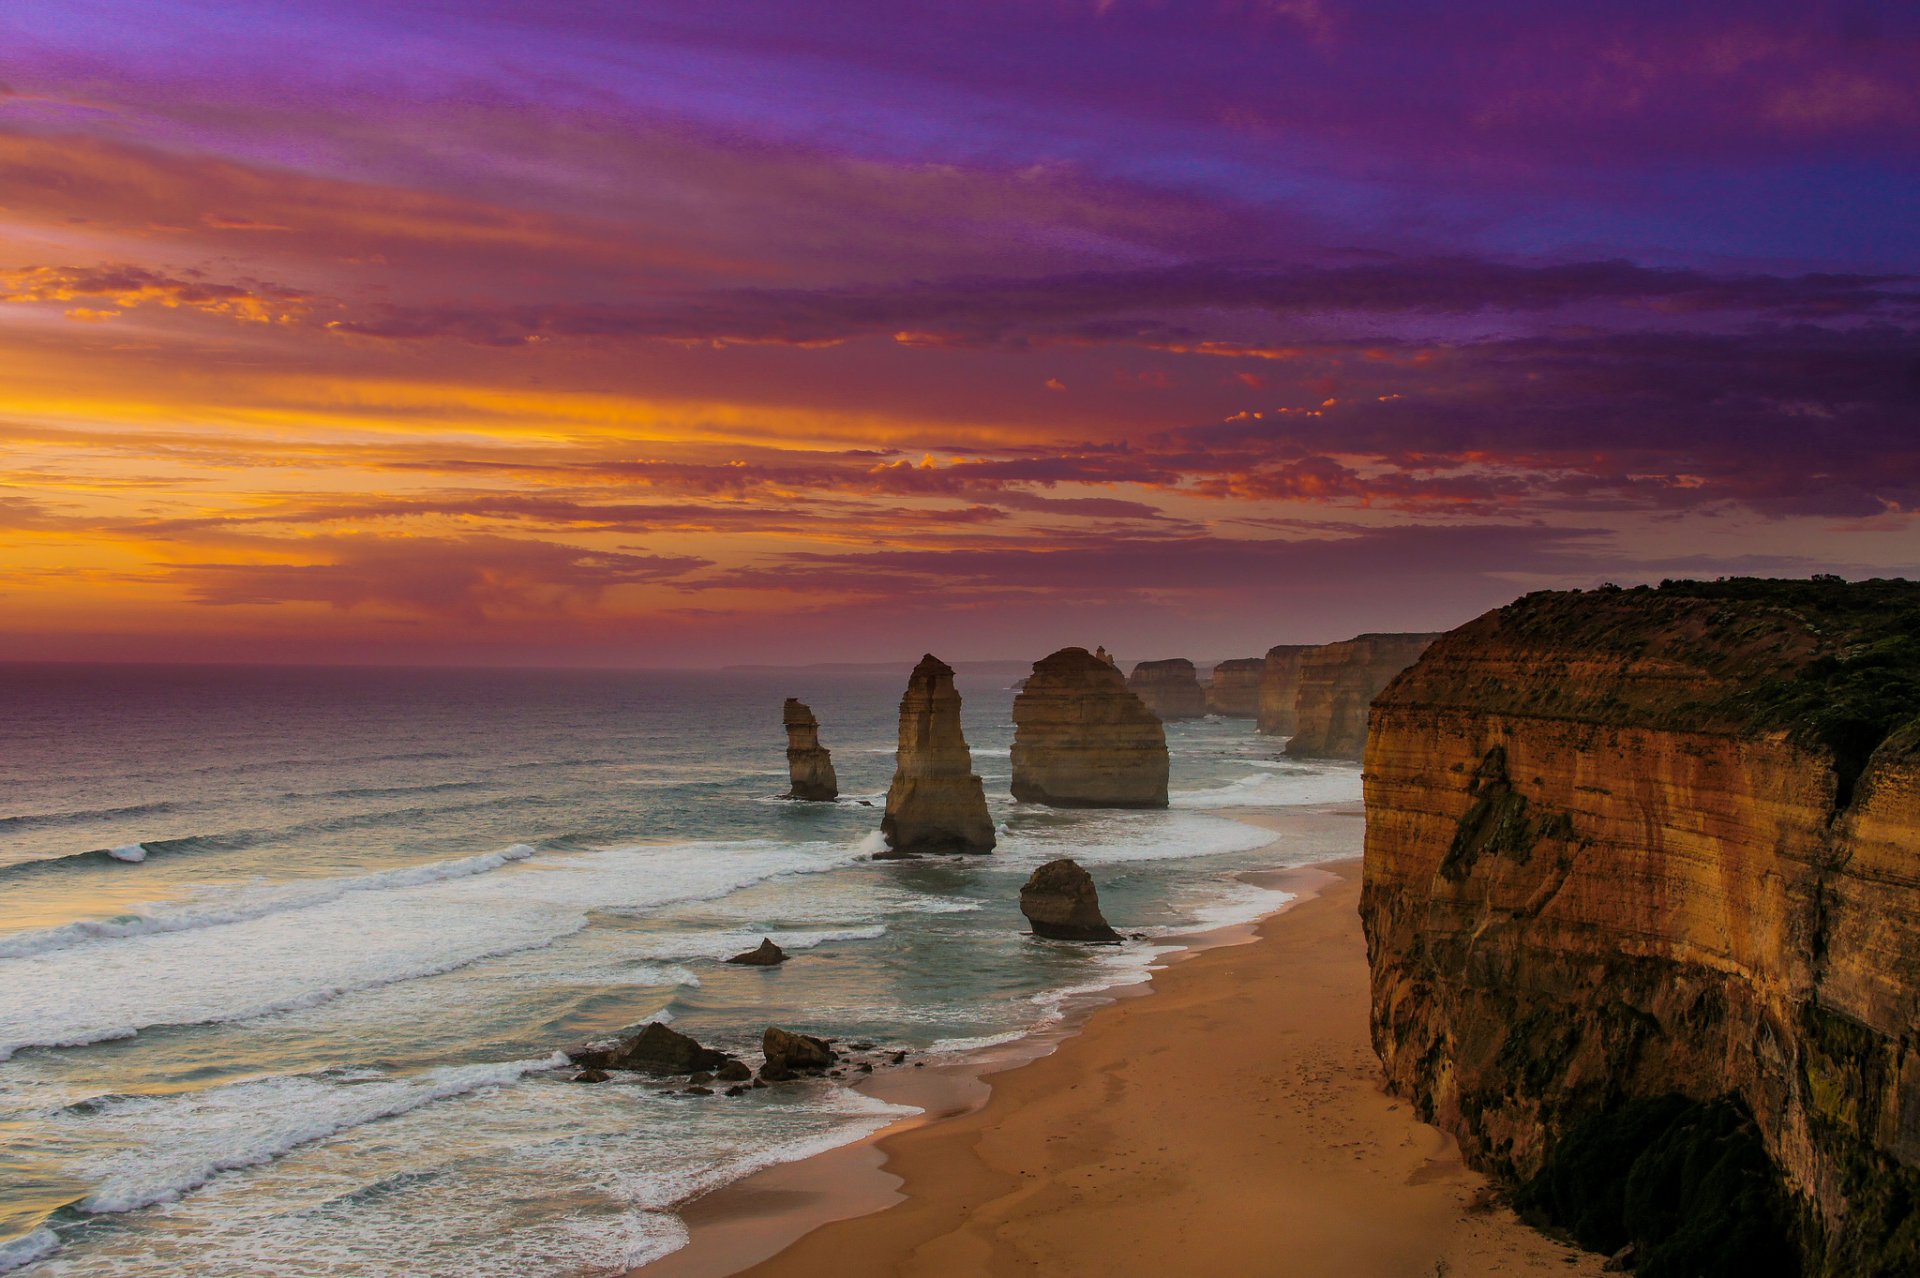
(664, 334)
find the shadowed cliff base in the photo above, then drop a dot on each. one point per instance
(1627, 846)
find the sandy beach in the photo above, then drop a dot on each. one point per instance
(1227, 1121)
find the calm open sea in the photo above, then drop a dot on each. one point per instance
(286, 954)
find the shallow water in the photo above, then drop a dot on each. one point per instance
(285, 955)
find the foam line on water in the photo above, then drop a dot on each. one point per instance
(73, 996)
(189, 1140)
(16, 1253)
(1276, 789)
(249, 903)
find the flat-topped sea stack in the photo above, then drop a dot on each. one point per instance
(1280, 688)
(936, 803)
(1233, 690)
(1337, 682)
(809, 764)
(1083, 739)
(1642, 905)
(1170, 688)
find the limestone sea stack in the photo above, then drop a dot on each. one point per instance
(1061, 904)
(1642, 894)
(809, 764)
(1083, 739)
(935, 803)
(1338, 682)
(1280, 688)
(1233, 690)
(1170, 688)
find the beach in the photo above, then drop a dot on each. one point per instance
(1224, 1118)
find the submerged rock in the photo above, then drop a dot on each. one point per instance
(1082, 739)
(1233, 689)
(1061, 903)
(1171, 688)
(809, 764)
(592, 1076)
(936, 802)
(766, 954)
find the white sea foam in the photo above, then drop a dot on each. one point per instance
(1106, 838)
(239, 905)
(282, 961)
(720, 945)
(188, 1140)
(24, 1250)
(130, 852)
(1294, 787)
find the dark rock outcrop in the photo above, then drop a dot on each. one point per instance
(809, 764)
(1280, 688)
(1233, 689)
(766, 954)
(789, 1054)
(654, 1050)
(1061, 904)
(1642, 893)
(1338, 681)
(935, 803)
(1083, 739)
(1171, 689)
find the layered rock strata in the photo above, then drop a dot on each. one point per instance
(1083, 739)
(1061, 904)
(1233, 690)
(935, 803)
(1627, 848)
(1336, 684)
(809, 764)
(1171, 688)
(1280, 688)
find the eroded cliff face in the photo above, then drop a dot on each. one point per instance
(1335, 685)
(1279, 688)
(1083, 739)
(1629, 844)
(1233, 690)
(936, 802)
(1171, 688)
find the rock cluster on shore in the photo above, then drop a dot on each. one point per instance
(1633, 853)
(1083, 739)
(1061, 903)
(936, 803)
(809, 764)
(1170, 688)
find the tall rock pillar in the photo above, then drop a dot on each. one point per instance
(809, 764)
(936, 802)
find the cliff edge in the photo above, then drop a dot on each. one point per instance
(1336, 682)
(1642, 906)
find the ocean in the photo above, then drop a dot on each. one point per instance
(287, 955)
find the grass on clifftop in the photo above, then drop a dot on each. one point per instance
(1836, 664)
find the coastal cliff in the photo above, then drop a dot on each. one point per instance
(809, 764)
(935, 803)
(1171, 688)
(1335, 685)
(1280, 688)
(1642, 892)
(1083, 739)
(1233, 690)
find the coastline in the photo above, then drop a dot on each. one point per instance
(1247, 1138)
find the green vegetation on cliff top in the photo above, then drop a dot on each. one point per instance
(1835, 664)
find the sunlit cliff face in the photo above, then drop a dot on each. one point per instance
(602, 333)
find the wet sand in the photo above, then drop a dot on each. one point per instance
(1224, 1119)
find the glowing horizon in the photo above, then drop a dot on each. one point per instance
(433, 333)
